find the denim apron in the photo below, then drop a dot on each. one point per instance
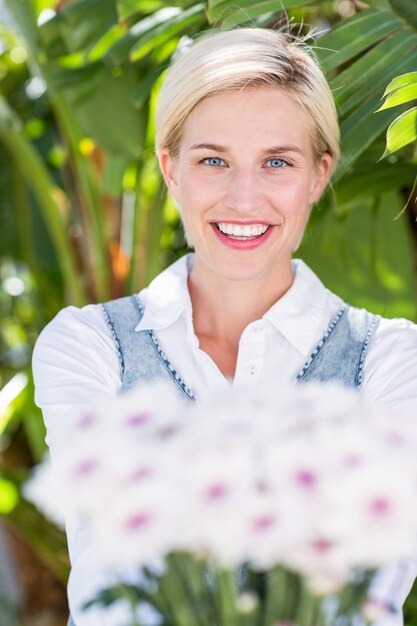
(339, 356)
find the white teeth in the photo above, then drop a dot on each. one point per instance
(254, 230)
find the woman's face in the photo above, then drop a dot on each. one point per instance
(244, 180)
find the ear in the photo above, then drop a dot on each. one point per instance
(321, 178)
(167, 165)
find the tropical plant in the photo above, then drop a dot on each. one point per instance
(82, 206)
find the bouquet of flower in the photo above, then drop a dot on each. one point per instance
(248, 507)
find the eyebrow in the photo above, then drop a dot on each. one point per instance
(222, 149)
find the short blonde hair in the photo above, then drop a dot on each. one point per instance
(236, 59)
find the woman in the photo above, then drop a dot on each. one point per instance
(247, 138)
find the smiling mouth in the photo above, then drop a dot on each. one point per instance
(242, 232)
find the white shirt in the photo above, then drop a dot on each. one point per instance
(75, 361)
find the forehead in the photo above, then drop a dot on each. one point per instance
(249, 116)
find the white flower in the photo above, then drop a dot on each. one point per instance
(134, 527)
(309, 477)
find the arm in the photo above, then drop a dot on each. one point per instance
(74, 362)
(390, 380)
(391, 365)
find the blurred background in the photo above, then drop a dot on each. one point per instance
(84, 216)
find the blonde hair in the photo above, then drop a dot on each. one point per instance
(236, 59)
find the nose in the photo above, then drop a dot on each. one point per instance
(243, 193)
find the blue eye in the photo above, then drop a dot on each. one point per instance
(214, 161)
(277, 163)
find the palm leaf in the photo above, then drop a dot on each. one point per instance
(227, 14)
(372, 68)
(407, 9)
(355, 35)
(38, 179)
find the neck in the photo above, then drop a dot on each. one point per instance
(222, 308)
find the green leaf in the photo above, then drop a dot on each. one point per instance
(169, 26)
(32, 421)
(51, 39)
(359, 130)
(128, 8)
(82, 81)
(24, 16)
(407, 9)
(44, 537)
(400, 96)
(229, 13)
(9, 496)
(402, 131)
(36, 175)
(402, 59)
(143, 31)
(85, 21)
(373, 65)
(110, 100)
(354, 36)
(401, 81)
(379, 4)
(278, 6)
(11, 398)
(144, 86)
(369, 180)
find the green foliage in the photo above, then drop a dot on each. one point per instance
(83, 213)
(9, 496)
(403, 130)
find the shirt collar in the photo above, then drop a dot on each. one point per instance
(298, 315)
(167, 296)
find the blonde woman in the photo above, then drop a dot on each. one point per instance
(247, 139)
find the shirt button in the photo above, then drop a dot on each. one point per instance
(259, 329)
(252, 371)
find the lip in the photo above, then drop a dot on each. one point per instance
(241, 222)
(239, 244)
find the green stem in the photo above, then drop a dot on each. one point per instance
(307, 605)
(226, 598)
(193, 570)
(173, 590)
(276, 592)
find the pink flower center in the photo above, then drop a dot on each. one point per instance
(85, 468)
(141, 474)
(306, 479)
(136, 522)
(216, 492)
(321, 546)
(380, 506)
(264, 522)
(353, 460)
(87, 421)
(138, 420)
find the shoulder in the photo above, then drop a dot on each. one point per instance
(74, 325)
(76, 345)
(391, 363)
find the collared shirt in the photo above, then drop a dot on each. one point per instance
(75, 361)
